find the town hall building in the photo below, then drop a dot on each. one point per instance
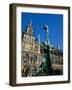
(30, 49)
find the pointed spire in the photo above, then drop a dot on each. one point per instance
(58, 46)
(38, 38)
(29, 28)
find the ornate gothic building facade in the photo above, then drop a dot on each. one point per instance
(30, 49)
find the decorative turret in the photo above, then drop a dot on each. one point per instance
(29, 28)
(38, 38)
(58, 47)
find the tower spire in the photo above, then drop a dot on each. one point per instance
(38, 38)
(29, 28)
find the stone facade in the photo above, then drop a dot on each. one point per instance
(31, 56)
(56, 56)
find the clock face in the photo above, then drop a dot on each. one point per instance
(27, 46)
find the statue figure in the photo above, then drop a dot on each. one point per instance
(46, 47)
(45, 67)
(45, 27)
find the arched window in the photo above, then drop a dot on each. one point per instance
(33, 59)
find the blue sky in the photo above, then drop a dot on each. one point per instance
(54, 22)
